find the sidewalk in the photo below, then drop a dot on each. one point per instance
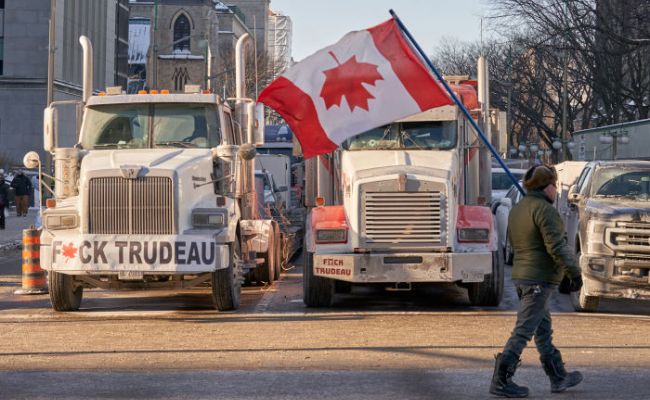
(12, 235)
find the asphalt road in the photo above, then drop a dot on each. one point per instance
(427, 343)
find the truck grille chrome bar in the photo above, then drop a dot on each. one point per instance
(403, 218)
(131, 206)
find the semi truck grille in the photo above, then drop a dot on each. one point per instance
(403, 218)
(131, 206)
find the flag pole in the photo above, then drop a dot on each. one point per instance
(456, 100)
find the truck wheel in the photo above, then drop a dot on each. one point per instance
(316, 291)
(266, 271)
(508, 253)
(584, 303)
(279, 260)
(64, 296)
(489, 292)
(226, 283)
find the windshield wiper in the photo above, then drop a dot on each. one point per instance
(175, 143)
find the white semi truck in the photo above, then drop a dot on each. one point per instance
(158, 192)
(401, 205)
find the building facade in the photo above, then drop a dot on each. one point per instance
(24, 33)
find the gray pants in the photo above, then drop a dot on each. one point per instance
(533, 319)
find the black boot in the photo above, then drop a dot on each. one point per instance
(502, 384)
(561, 380)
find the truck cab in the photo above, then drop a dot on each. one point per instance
(404, 211)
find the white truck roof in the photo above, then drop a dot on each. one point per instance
(209, 98)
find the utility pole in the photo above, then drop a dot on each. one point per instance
(51, 53)
(565, 133)
(154, 61)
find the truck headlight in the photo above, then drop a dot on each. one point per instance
(204, 218)
(473, 235)
(331, 236)
(60, 221)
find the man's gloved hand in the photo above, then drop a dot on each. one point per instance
(565, 285)
(576, 284)
(569, 285)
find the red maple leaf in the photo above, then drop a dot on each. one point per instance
(69, 250)
(347, 80)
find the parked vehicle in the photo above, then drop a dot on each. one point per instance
(158, 193)
(502, 212)
(501, 182)
(398, 206)
(610, 204)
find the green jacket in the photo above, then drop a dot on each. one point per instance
(537, 237)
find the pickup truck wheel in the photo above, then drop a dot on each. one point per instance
(64, 296)
(489, 292)
(581, 302)
(316, 291)
(584, 303)
(226, 283)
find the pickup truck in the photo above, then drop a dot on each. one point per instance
(610, 205)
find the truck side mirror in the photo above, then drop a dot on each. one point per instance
(49, 129)
(574, 196)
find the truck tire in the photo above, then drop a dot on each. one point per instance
(581, 302)
(584, 303)
(226, 283)
(489, 292)
(265, 272)
(64, 296)
(508, 254)
(279, 260)
(316, 291)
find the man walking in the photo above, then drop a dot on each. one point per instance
(4, 199)
(23, 187)
(541, 260)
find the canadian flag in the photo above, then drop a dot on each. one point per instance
(367, 79)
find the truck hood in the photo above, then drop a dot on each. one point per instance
(165, 159)
(382, 162)
(619, 209)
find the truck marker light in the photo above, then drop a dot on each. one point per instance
(153, 91)
(50, 203)
(164, 91)
(142, 92)
(101, 94)
(320, 201)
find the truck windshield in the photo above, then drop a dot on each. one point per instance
(621, 182)
(428, 135)
(137, 126)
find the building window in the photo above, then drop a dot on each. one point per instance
(180, 78)
(182, 33)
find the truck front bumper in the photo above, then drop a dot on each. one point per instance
(615, 277)
(93, 254)
(411, 267)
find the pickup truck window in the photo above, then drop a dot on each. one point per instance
(621, 182)
(427, 135)
(137, 126)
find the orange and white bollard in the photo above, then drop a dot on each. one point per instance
(34, 278)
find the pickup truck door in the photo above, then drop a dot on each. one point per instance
(572, 220)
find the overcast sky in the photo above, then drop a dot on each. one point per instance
(318, 23)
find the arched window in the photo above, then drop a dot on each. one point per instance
(182, 33)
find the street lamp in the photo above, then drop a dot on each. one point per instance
(614, 138)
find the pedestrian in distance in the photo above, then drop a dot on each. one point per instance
(542, 259)
(23, 187)
(4, 199)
